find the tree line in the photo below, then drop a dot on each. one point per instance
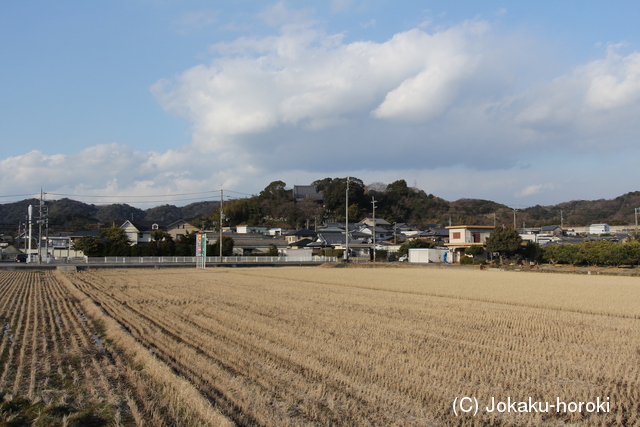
(597, 252)
(276, 205)
(113, 241)
(506, 242)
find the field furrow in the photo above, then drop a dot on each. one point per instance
(16, 336)
(298, 346)
(50, 360)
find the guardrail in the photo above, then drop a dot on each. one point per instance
(209, 259)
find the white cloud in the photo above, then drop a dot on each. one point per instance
(534, 189)
(595, 105)
(307, 78)
(462, 110)
(460, 96)
(428, 94)
(614, 82)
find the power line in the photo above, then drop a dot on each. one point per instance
(238, 192)
(125, 196)
(21, 195)
(206, 196)
(115, 202)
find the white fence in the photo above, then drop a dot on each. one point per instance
(209, 259)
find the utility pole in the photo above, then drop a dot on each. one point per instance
(221, 217)
(346, 229)
(373, 202)
(44, 219)
(514, 216)
(40, 222)
(636, 210)
(562, 220)
(30, 222)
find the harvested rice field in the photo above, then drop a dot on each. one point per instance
(339, 346)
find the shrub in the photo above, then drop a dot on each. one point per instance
(474, 250)
(465, 260)
(338, 253)
(415, 243)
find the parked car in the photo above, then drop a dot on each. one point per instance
(34, 258)
(403, 258)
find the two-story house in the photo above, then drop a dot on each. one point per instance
(179, 229)
(463, 236)
(140, 231)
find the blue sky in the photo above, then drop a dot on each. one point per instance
(519, 102)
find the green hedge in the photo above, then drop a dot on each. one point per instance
(598, 252)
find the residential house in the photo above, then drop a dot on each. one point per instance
(61, 244)
(140, 231)
(551, 230)
(179, 229)
(379, 222)
(437, 234)
(334, 238)
(298, 235)
(464, 236)
(246, 244)
(244, 229)
(5, 241)
(299, 244)
(10, 252)
(276, 232)
(381, 233)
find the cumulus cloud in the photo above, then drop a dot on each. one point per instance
(614, 82)
(448, 60)
(594, 103)
(121, 173)
(459, 109)
(308, 79)
(424, 98)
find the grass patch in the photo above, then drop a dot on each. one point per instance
(19, 411)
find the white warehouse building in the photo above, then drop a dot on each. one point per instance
(599, 229)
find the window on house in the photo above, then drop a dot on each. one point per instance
(456, 235)
(476, 237)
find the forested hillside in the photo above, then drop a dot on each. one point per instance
(276, 206)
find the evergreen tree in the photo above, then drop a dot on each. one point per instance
(504, 240)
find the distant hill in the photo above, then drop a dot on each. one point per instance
(618, 211)
(70, 215)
